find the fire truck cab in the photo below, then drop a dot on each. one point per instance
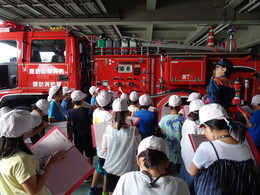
(33, 60)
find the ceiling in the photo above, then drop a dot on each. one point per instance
(169, 21)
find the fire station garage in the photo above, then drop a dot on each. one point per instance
(129, 97)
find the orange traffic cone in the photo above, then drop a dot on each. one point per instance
(211, 38)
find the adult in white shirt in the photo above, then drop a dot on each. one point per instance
(152, 159)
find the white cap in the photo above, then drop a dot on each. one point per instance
(4, 110)
(145, 100)
(153, 143)
(134, 96)
(124, 96)
(43, 105)
(119, 105)
(93, 89)
(193, 96)
(212, 111)
(37, 119)
(15, 123)
(195, 105)
(175, 100)
(78, 95)
(104, 97)
(66, 90)
(256, 100)
(52, 91)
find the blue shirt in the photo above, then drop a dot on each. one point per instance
(65, 104)
(55, 111)
(171, 126)
(255, 130)
(220, 90)
(148, 121)
(92, 101)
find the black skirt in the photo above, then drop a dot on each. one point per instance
(228, 177)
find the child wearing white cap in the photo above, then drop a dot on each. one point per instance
(120, 141)
(124, 96)
(152, 159)
(93, 90)
(55, 113)
(254, 122)
(4, 110)
(171, 125)
(81, 125)
(40, 108)
(223, 164)
(101, 114)
(190, 126)
(148, 120)
(193, 96)
(66, 103)
(20, 171)
(133, 108)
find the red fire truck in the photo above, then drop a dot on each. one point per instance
(33, 60)
(173, 73)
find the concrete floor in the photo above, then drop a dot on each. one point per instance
(83, 189)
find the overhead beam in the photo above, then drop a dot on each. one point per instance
(233, 3)
(29, 4)
(116, 21)
(117, 31)
(201, 30)
(248, 38)
(149, 32)
(151, 5)
(46, 5)
(173, 29)
(101, 6)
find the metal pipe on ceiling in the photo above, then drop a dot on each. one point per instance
(247, 6)
(206, 36)
(216, 31)
(253, 7)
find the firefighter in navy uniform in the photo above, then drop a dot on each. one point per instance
(220, 89)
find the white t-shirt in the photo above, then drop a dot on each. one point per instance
(133, 109)
(121, 150)
(205, 154)
(187, 152)
(100, 116)
(137, 183)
